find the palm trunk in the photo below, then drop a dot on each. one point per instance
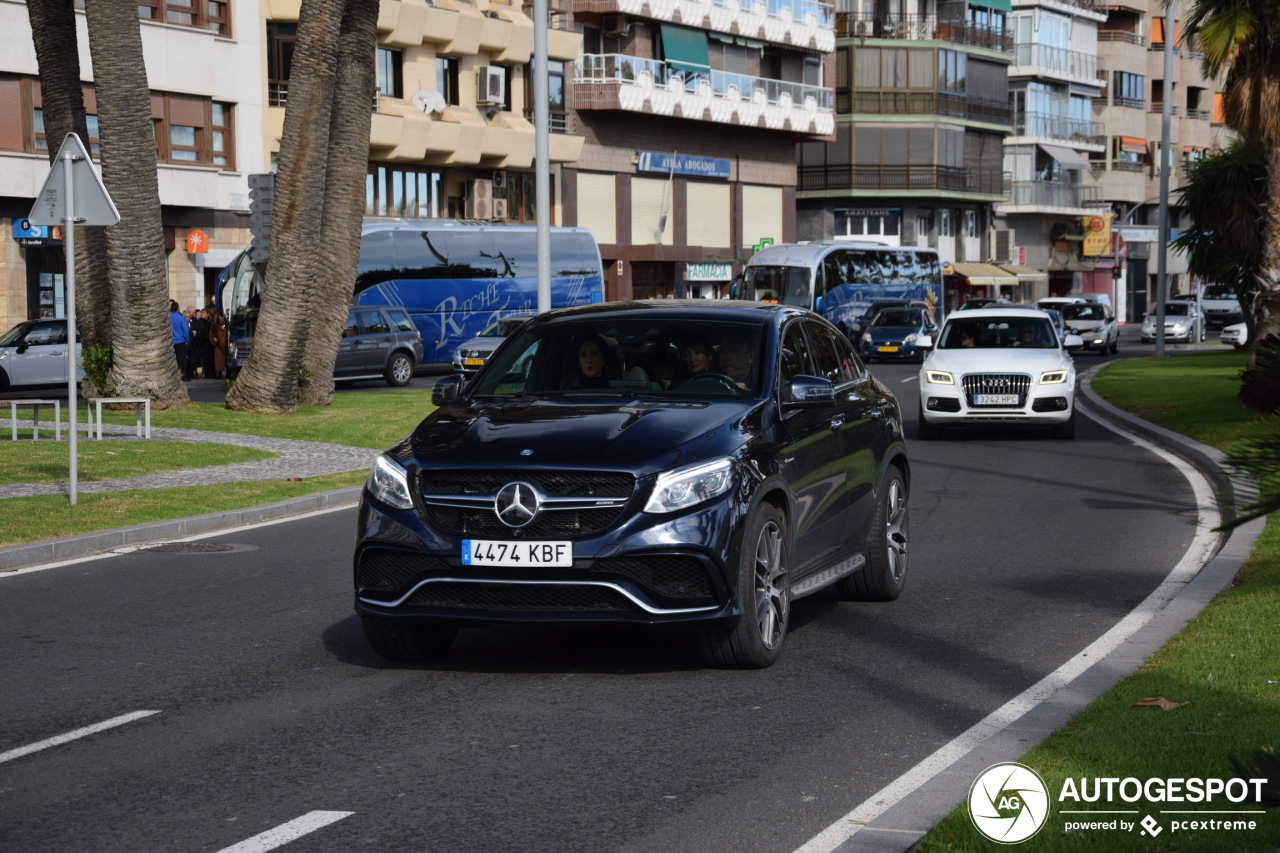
(141, 341)
(344, 200)
(53, 31)
(270, 381)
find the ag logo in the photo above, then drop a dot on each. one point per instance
(1008, 802)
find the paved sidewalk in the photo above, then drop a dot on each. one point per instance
(294, 459)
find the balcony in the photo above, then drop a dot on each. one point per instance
(898, 102)
(1059, 63)
(803, 24)
(1158, 109)
(1048, 126)
(921, 28)
(1199, 115)
(930, 177)
(1058, 195)
(615, 81)
(1122, 37)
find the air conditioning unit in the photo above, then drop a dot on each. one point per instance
(480, 199)
(615, 25)
(491, 85)
(499, 180)
(864, 29)
(500, 209)
(1002, 245)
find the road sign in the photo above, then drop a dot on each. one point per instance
(93, 206)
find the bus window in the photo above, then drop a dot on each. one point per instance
(867, 269)
(784, 285)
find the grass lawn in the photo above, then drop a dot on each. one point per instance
(375, 419)
(1225, 665)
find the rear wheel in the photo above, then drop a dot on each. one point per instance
(764, 594)
(399, 370)
(394, 639)
(885, 573)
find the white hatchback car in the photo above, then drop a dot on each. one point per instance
(1237, 334)
(996, 367)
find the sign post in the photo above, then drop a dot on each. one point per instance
(72, 195)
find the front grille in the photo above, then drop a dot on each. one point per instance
(555, 524)
(596, 484)
(526, 597)
(668, 575)
(995, 383)
(392, 571)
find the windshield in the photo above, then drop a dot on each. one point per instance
(998, 332)
(1219, 291)
(785, 285)
(1179, 309)
(11, 337)
(899, 317)
(615, 356)
(502, 328)
(1084, 312)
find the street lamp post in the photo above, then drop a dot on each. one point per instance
(1166, 163)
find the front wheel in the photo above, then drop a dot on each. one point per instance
(396, 640)
(1068, 429)
(885, 573)
(399, 370)
(764, 596)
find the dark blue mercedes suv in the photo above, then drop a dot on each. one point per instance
(697, 464)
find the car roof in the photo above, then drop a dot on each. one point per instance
(700, 309)
(1004, 311)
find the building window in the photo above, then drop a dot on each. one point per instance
(211, 15)
(971, 223)
(404, 191)
(861, 222)
(924, 229)
(447, 79)
(42, 144)
(280, 41)
(221, 137)
(390, 79)
(192, 130)
(556, 106)
(1128, 90)
(521, 194)
(946, 223)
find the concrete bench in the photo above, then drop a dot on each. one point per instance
(93, 407)
(35, 405)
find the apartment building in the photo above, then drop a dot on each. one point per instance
(690, 111)
(205, 72)
(922, 98)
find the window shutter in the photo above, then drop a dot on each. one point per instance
(186, 111)
(12, 121)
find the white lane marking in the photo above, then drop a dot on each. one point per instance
(129, 549)
(70, 736)
(909, 379)
(1199, 553)
(286, 832)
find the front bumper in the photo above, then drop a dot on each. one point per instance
(645, 569)
(891, 352)
(949, 405)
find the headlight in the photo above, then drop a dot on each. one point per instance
(1053, 377)
(387, 482)
(457, 356)
(691, 485)
(866, 337)
(939, 377)
(910, 339)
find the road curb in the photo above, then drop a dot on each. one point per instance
(17, 557)
(899, 828)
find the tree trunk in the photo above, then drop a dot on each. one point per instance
(344, 200)
(1266, 305)
(269, 381)
(53, 30)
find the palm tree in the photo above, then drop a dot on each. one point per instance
(1243, 37)
(53, 30)
(142, 345)
(271, 378)
(344, 197)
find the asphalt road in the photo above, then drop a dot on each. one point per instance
(1024, 550)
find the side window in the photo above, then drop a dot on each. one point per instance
(401, 321)
(828, 359)
(794, 359)
(373, 323)
(353, 326)
(46, 333)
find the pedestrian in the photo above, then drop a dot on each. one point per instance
(181, 338)
(199, 342)
(218, 338)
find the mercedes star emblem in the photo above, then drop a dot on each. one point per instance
(516, 504)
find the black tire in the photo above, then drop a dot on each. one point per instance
(885, 573)
(399, 370)
(928, 431)
(764, 592)
(1115, 346)
(1068, 429)
(4, 379)
(397, 640)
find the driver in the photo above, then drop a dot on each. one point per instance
(737, 356)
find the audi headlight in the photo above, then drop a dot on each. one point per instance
(691, 485)
(389, 483)
(1053, 377)
(939, 377)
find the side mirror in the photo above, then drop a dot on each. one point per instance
(1073, 342)
(446, 390)
(924, 342)
(809, 392)
(23, 347)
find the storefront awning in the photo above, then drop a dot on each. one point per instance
(985, 274)
(1133, 145)
(1024, 273)
(685, 49)
(1068, 157)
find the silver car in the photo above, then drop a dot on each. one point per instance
(34, 353)
(471, 355)
(1182, 322)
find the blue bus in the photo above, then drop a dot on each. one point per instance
(840, 278)
(453, 278)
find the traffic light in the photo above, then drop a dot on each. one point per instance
(262, 195)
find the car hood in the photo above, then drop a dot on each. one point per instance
(1008, 360)
(640, 436)
(489, 344)
(892, 332)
